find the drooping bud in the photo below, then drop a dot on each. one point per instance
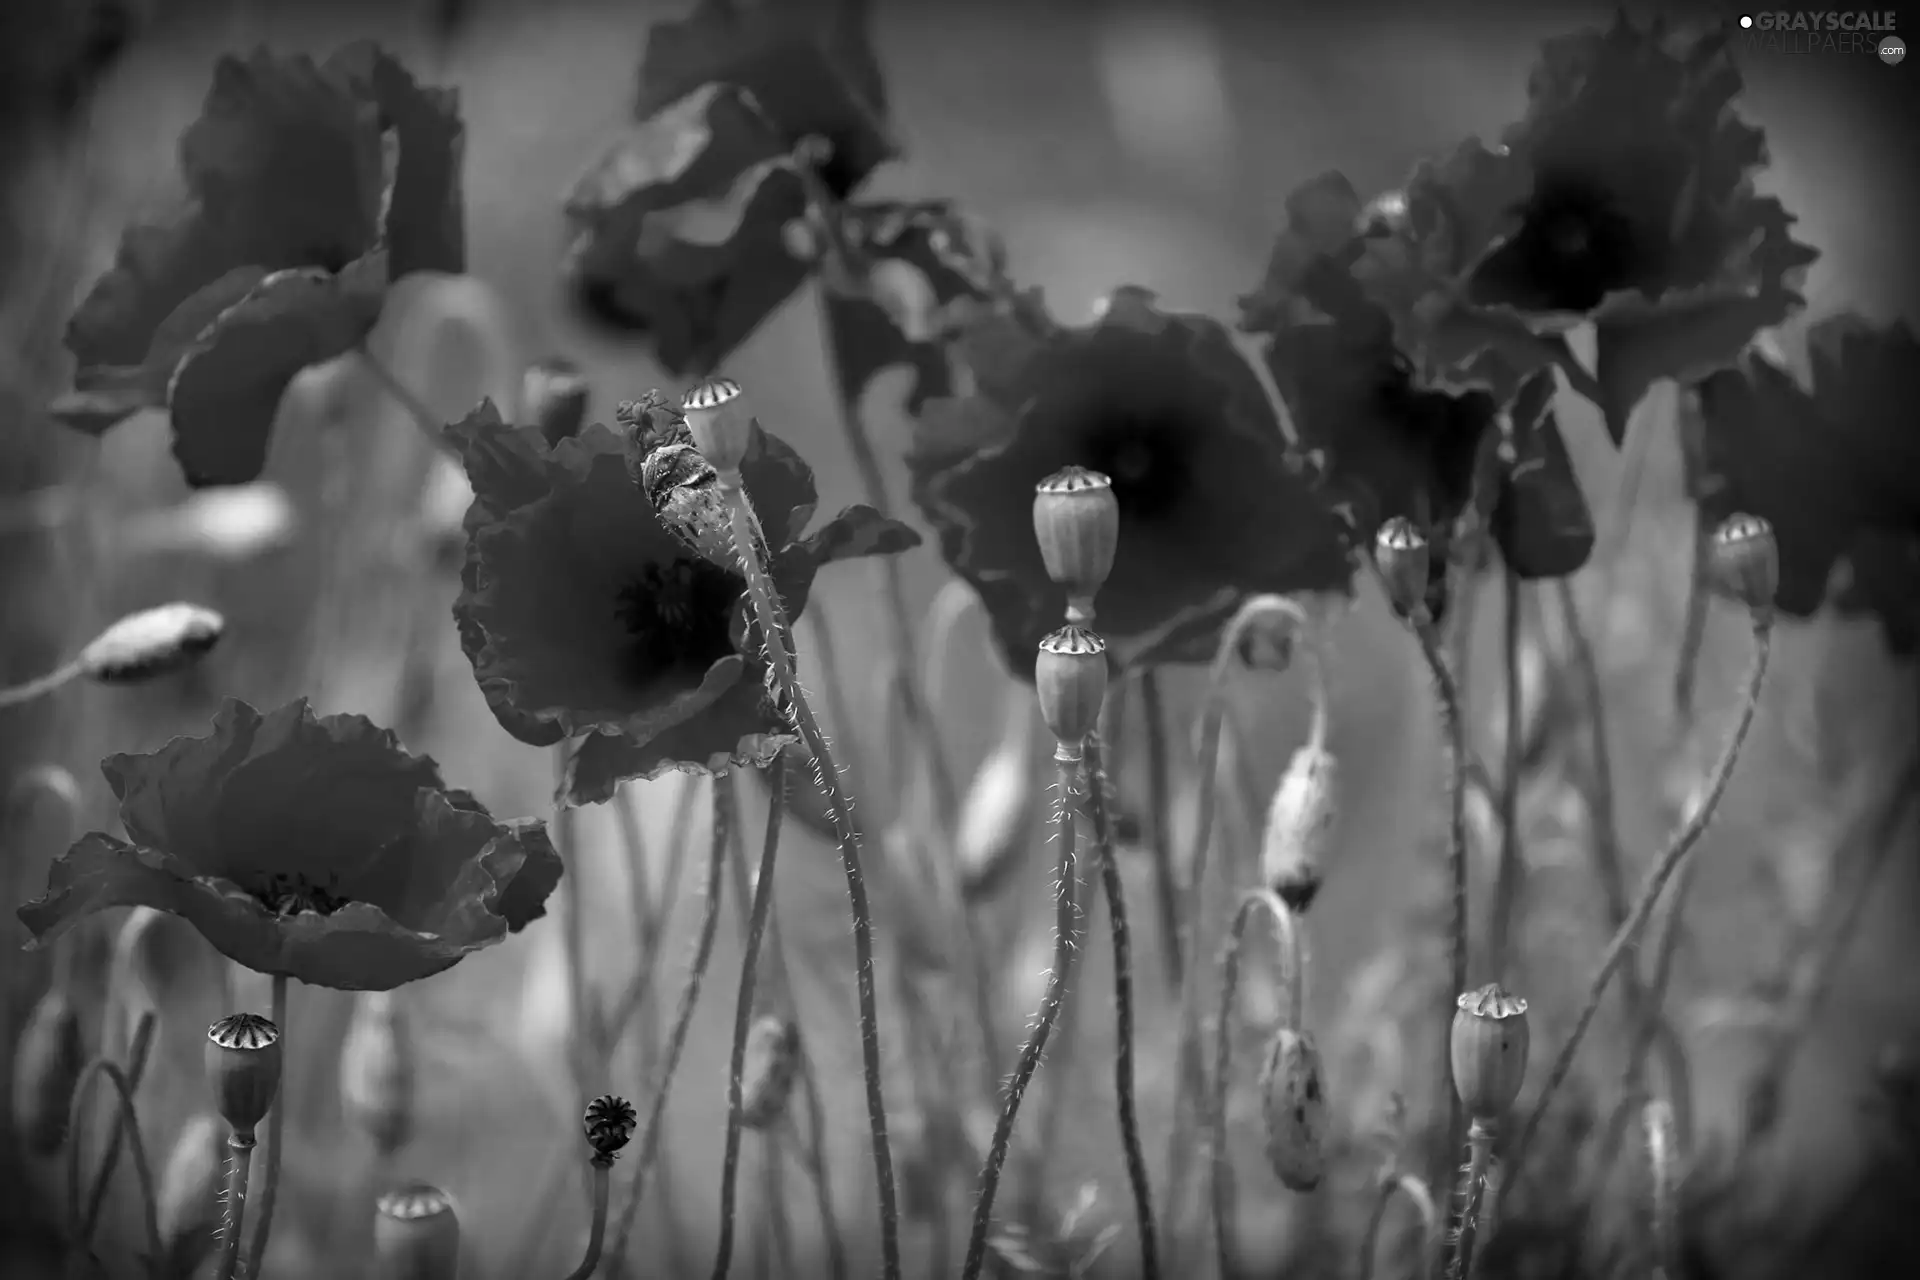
(150, 960)
(772, 1065)
(609, 1123)
(47, 1062)
(1294, 1105)
(243, 1068)
(416, 1235)
(1402, 553)
(378, 1071)
(716, 414)
(1076, 520)
(1489, 1050)
(1070, 681)
(554, 393)
(1300, 826)
(231, 523)
(187, 1201)
(152, 642)
(1743, 563)
(999, 807)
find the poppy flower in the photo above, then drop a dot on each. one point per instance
(1832, 465)
(585, 617)
(1641, 213)
(310, 847)
(1382, 444)
(293, 226)
(1212, 507)
(745, 120)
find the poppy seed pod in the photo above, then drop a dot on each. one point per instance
(1070, 681)
(152, 642)
(1489, 1050)
(377, 1071)
(243, 1067)
(1744, 562)
(1300, 826)
(1402, 553)
(609, 1123)
(47, 1062)
(1294, 1107)
(416, 1235)
(716, 415)
(772, 1065)
(1076, 520)
(187, 1200)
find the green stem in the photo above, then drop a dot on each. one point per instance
(129, 1122)
(40, 686)
(276, 1142)
(597, 1231)
(1472, 1196)
(1166, 888)
(1454, 740)
(1511, 868)
(233, 1200)
(138, 1052)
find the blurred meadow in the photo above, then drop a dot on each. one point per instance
(1109, 144)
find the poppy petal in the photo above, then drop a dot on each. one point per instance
(858, 531)
(741, 727)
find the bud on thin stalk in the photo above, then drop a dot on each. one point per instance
(1293, 1105)
(152, 642)
(416, 1235)
(1743, 563)
(999, 806)
(1301, 821)
(1076, 520)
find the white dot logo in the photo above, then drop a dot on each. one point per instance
(1746, 22)
(1893, 50)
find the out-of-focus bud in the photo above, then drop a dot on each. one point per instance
(1384, 216)
(1076, 520)
(231, 523)
(1294, 1105)
(1300, 826)
(716, 414)
(1402, 553)
(554, 393)
(378, 1072)
(801, 240)
(1070, 682)
(1744, 563)
(609, 1123)
(148, 959)
(187, 1201)
(47, 1062)
(152, 642)
(999, 807)
(1489, 1050)
(772, 1065)
(416, 1235)
(243, 1068)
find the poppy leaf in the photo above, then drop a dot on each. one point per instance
(858, 531)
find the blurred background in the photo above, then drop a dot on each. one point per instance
(1110, 143)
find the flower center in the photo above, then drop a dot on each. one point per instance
(679, 614)
(1146, 463)
(289, 893)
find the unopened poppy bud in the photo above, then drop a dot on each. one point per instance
(1070, 681)
(1744, 563)
(152, 642)
(1489, 1050)
(230, 523)
(1300, 826)
(1402, 553)
(1294, 1107)
(47, 1062)
(716, 415)
(187, 1201)
(243, 1067)
(1383, 216)
(554, 393)
(145, 964)
(772, 1065)
(377, 1071)
(1076, 520)
(609, 1124)
(999, 806)
(416, 1235)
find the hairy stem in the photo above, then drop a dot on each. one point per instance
(1166, 889)
(1511, 868)
(233, 1202)
(1416, 1193)
(1454, 741)
(276, 1145)
(1068, 761)
(129, 1123)
(1694, 628)
(601, 1186)
(138, 1051)
(1473, 1195)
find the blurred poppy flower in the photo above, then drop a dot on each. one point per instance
(1641, 214)
(1540, 519)
(313, 847)
(746, 120)
(294, 224)
(585, 618)
(1834, 466)
(1382, 446)
(1210, 508)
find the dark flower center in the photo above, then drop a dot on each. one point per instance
(679, 615)
(289, 893)
(1577, 245)
(1146, 459)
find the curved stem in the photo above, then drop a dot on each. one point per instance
(1657, 876)
(233, 1199)
(128, 1120)
(597, 1230)
(1416, 1193)
(743, 1013)
(1122, 1010)
(40, 686)
(1166, 889)
(1292, 977)
(773, 633)
(276, 1141)
(138, 1052)
(1694, 627)
(1510, 869)
(1663, 1175)
(1068, 761)
(683, 1013)
(1454, 739)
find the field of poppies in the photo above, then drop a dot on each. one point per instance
(822, 638)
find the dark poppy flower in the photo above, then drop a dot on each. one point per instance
(1211, 510)
(310, 847)
(1382, 445)
(584, 617)
(1641, 214)
(1834, 466)
(293, 226)
(746, 120)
